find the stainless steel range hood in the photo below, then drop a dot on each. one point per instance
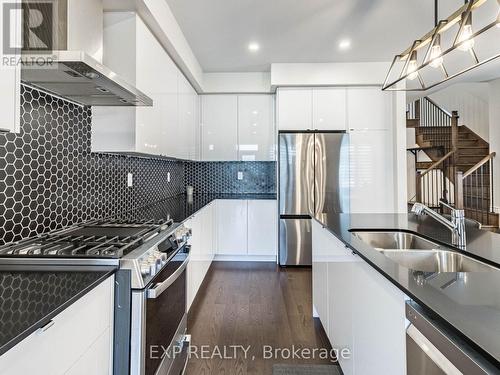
(78, 77)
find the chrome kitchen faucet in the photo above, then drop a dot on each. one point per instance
(456, 225)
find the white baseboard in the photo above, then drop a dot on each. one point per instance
(244, 258)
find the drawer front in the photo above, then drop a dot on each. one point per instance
(56, 349)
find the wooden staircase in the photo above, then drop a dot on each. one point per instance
(460, 163)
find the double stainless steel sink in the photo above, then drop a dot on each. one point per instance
(419, 254)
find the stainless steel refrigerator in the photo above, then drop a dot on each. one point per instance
(313, 180)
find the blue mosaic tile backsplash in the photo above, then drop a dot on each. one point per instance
(222, 177)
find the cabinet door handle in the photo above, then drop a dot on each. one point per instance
(46, 327)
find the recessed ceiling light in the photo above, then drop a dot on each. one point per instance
(344, 44)
(254, 47)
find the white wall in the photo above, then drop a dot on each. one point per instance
(328, 74)
(472, 103)
(494, 131)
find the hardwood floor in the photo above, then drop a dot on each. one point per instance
(252, 305)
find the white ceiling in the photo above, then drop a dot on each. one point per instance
(219, 31)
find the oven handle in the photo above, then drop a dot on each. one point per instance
(159, 288)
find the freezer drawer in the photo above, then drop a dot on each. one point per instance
(295, 246)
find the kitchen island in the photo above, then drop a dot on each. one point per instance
(467, 302)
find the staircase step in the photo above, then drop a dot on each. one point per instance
(479, 190)
(476, 204)
(476, 185)
(470, 143)
(423, 164)
(412, 123)
(470, 159)
(467, 150)
(484, 217)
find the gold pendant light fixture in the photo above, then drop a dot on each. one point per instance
(453, 47)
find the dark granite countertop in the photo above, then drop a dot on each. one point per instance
(469, 303)
(181, 207)
(31, 298)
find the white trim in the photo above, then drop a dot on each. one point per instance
(244, 258)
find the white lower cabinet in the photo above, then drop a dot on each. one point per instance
(262, 227)
(97, 359)
(202, 249)
(359, 309)
(247, 229)
(340, 320)
(379, 323)
(232, 227)
(78, 342)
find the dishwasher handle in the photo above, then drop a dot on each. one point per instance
(432, 352)
(447, 349)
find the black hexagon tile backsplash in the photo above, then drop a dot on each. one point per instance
(49, 178)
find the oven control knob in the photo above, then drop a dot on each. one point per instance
(145, 268)
(152, 269)
(153, 265)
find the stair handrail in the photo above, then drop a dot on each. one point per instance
(437, 106)
(479, 164)
(437, 163)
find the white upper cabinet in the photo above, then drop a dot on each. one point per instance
(219, 127)
(368, 108)
(158, 76)
(237, 127)
(256, 128)
(294, 109)
(329, 109)
(10, 74)
(169, 127)
(187, 126)
(312, 108)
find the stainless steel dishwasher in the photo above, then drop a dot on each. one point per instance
(433, 349)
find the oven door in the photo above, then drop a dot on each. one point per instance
(165, 318)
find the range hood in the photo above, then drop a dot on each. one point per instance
(76, 76)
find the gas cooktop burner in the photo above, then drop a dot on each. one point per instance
(98, 239)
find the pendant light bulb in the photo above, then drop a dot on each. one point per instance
(436, 56)
(466, 35)
(412, 67)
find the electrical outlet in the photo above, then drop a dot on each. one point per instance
(130, 180)
(168, 176)
(240, 176)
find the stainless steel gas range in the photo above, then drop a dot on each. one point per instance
(150, 295)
